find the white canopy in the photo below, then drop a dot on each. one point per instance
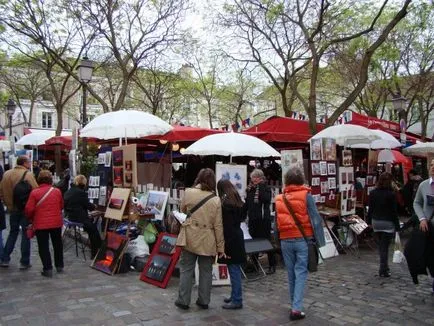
(420, 149)
(386, 141)
(231, 144)
(348, 134)
(125, 123)
(38, 137)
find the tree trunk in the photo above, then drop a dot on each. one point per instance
(57, 148)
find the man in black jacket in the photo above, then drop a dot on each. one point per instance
(76, 206)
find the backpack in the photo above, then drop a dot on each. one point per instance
(21, 193)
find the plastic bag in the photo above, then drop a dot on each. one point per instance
(398, 256)
(138, 247)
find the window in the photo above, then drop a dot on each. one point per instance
(47, 120)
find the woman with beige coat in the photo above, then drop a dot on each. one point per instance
(201, 238)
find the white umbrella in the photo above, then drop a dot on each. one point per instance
(231, 144)
(386, 141)
(347, 134)
(125, 123)
(420, 149)
(34, 139)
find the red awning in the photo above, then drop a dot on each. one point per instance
(282, 129)
(60, 140)
(185, 133)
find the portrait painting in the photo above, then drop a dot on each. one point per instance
(315, 149)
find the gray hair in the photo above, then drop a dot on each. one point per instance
(294, 176)
(257, 173)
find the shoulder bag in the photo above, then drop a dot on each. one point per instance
(173, 226)
(30, 231)
(313, 254)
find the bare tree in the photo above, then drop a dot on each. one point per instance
(130, 33)
(290, 39)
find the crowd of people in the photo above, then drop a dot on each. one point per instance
(36, 206)
(212, 228)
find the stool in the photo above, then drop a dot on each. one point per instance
(73, 229)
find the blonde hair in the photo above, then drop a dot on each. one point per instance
(80, 180)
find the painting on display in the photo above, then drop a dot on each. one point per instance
(315, 149)
(156, 203)
(110, 254)
(346, 188)
(237, 174)
(328, 152)
(161, 263)
(372, 162)
(291, 158)
(117, 203)
(347, 157)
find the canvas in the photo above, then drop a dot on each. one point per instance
(156, 203)
(109, 256)
(162, 261)
(237, 174)
(290, 158)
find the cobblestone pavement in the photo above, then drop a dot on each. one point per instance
(345, 291)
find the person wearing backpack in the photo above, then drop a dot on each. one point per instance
(15, 189)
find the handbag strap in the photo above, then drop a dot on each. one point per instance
(45, 196)
(24, 175)
(294, 216)
(199, 204)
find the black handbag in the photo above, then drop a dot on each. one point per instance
(313, 253)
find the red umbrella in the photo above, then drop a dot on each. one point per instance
(60, 140)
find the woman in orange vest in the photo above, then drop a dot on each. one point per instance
(292, 242)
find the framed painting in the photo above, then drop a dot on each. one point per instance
(162, 261)
(156, 203)
(291, 158)
(110, 254)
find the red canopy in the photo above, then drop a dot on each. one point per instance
(375, 123)
(185, 133)
(60, 140)
(282, 129)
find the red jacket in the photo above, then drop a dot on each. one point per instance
(296, 196)
(48, 215)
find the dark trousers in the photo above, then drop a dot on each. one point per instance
(384, 240)
(43, 237)
(94, 237)
(17, 220)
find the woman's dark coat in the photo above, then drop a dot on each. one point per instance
(234, 238)
(76, 204)
(259, 213)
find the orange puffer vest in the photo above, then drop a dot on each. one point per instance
(296, 195)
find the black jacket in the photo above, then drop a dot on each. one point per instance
(419, 253)
(234, 238)
(258, 213)
(383, 206)
(76, 204)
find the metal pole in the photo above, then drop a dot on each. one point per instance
(84, 117)
(11, 140)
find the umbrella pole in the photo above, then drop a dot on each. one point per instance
(120, 141)
(230, 159)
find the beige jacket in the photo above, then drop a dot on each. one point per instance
(10, 179)
(202, 233)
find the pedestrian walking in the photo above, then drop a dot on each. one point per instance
(383, 217)
(232, 214)
(19, 174)
(44, 211)
(419, 250)
(201, 239)
(299, 223)
(257, 208)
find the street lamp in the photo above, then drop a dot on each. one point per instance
(10, 109)
(85, 69)
(399, 104)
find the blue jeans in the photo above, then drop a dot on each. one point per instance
(295, 254)
(236, 287)
(17, 220)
